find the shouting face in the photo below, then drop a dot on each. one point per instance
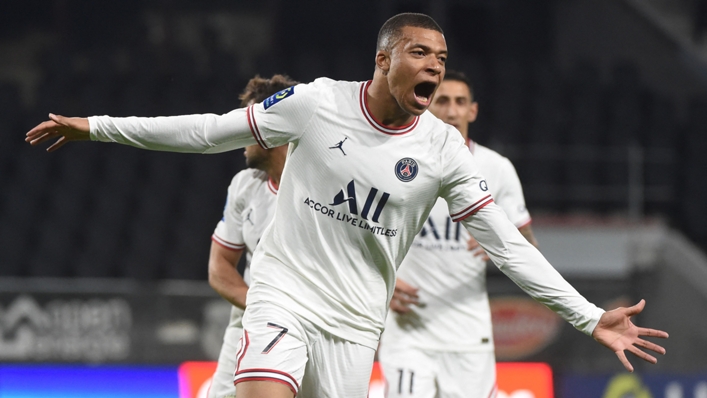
(414, 67)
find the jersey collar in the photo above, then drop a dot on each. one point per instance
(471, 144)
(363, 102)
(271, 184)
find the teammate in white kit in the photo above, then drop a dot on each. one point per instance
(365, 166)
(442, 345)
(250, 206)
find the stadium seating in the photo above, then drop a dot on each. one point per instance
(111, 211)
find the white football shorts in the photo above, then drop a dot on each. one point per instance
(222, 381)
(281, 347)
(411, 372)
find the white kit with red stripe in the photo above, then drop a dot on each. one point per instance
(250, 205)
(454, 314)
(353, 195)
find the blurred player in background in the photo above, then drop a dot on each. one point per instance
(365, 168)
(250, 206)
(438, 340)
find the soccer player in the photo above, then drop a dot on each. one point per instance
(442, 346)
(250, 206)
(365, 166)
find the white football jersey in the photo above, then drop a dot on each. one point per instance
(353, 195)
(250, 206)
(454, 313)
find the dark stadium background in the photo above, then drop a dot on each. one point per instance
(601, 105)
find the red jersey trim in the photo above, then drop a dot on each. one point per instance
(363, 102)
(525, 224)
(472, 209)
(226, 244)
(254, 127)
(493, 390)
(267, 375)
(245, 342)
(265, 378)
(272, 186)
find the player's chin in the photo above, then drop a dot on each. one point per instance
(416, 108)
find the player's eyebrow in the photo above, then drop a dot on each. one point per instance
(426, 48)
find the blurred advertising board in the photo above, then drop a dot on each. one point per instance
(633, 385)
(515, 380)
(123, 323)
(106, 381)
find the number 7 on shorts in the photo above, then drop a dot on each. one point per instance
(283, 332)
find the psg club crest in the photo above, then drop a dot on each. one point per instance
(406, 169)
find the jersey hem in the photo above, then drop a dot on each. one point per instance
(525, 223)
(226, 244)
(257, 374)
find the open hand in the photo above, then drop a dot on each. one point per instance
(65, 128)
(616, 332)
(404, 295)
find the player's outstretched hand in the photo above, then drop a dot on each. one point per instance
(64, 128)
(616, 331)
(404, 296)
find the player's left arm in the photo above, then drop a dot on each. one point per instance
(471, 203)
(528, 269)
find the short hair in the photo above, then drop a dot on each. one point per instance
(259, 88)
(456, 76)
(391, 31)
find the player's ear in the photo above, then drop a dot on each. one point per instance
(473, 112)
(383, 61)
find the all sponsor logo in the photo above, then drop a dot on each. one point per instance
(365, 217)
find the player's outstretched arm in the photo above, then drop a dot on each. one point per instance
(616, 332)
(63, 129)
(204, 133)
(524, 264)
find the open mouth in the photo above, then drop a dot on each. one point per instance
(424, 91)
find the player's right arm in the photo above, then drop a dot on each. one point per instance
(269, 124)
(223, 275)
(228, 244)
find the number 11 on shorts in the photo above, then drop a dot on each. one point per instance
(283, 332)
(401, 385)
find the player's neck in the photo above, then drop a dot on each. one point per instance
(275, 166)
(383, 105)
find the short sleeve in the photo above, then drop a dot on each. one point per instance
(463, 186)
(229, 231)
(510, 196)
(282, 117)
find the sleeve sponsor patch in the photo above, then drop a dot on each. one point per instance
(279, 96)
